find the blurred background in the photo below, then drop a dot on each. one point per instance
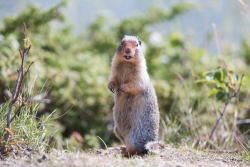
(73, 43)
(230, 17)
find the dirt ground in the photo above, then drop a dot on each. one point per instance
(168, 156)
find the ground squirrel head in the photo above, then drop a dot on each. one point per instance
(130, 49)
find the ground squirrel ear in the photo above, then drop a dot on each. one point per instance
(139, 40)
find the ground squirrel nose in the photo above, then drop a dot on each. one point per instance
(127, 50)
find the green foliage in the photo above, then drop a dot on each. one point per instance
(224, 82)
(36, 18)
(27, 130)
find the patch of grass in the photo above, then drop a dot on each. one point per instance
(27, 130)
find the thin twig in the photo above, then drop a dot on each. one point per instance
(26, 51)
(217, 122)
(28, 69)
(18, 111)
(234, 94)
(21, 53)
(240, 84)
(244, 6)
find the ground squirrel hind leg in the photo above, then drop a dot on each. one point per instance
(118, 134)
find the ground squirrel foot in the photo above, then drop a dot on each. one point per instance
(123, 148)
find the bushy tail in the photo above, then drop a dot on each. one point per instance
(154, 147)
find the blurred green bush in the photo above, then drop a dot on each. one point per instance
(75, 71)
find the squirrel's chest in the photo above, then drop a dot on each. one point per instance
(125, 72)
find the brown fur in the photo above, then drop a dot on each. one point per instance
(136, 113)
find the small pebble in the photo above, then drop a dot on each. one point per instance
(29, 149)
(26, 153)
(44, 156)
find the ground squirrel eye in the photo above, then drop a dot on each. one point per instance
(139, 40)
(119, 48)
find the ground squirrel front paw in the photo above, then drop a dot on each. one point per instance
(122, 88)
(111, 86)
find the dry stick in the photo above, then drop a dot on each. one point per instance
(228, 102)
(18, 86)
(17, 111)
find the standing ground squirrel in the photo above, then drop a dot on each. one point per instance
(136, 112)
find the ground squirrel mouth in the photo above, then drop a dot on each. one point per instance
(127, 57)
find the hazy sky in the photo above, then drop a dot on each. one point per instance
(231, 21)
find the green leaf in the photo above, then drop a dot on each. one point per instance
(221, 85)
(227, 96)
(220, 95)
(224, 74)
(236, 77)
(204, 81)
(213, 92)
(217, 76)
(207, 73)
(217, 68)
(219, 88)
(201, 81)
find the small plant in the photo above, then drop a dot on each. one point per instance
(23, 131)
(16, 95)
(226, 87)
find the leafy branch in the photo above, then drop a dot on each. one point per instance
(22, 72)
(227, 87)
